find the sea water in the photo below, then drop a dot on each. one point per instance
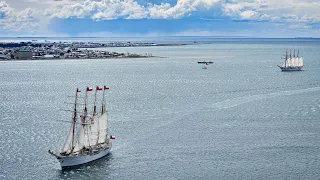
(242, 118)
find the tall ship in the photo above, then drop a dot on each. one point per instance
(88, 138)
(292, 62)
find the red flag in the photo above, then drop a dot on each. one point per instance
(112, 137)
(98, 88)
(89, 89)
(92, 120)
(106, 88)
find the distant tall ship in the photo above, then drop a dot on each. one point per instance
(88, 137)
(292, 63)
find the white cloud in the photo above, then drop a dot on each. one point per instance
(98, 10)
(16, 20)
(33, 15)
(181, 9)
(113, 9)
(5, 10)
(248, 14)
(25, 20)
(274, 10)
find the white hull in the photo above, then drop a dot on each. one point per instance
(69, 161)
(290, 68)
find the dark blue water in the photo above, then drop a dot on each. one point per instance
(242, 118)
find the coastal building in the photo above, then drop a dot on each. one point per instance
(49, 56)
(24, 54)
(3, 57)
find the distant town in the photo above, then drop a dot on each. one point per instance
(68, 50)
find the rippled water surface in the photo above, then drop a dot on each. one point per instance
(242, 118)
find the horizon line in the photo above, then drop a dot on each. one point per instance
(158, 37)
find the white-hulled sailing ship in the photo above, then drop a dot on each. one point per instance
(88, 137)
(292, 63)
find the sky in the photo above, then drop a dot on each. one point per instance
(154, 18)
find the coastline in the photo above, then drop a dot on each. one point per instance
(61, 59)
(74, 50)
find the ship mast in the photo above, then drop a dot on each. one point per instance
(103, 108)
(85, 113)
(85, 104)
(290, 56)
(74, 117)
(94, 120)
(95, 100)
(285, 61)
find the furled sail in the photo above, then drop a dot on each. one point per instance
(68, 144)
(285, 64)
(290, 62)
(86, 135)
(295, 61)
(103, 120)
(300, 61)
(80, 143)
(94, 131)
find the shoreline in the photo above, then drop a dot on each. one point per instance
(73, 50)
(85, 44)
(144, 57)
